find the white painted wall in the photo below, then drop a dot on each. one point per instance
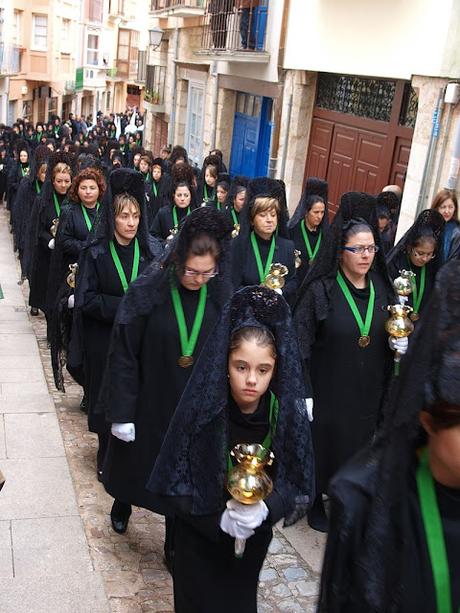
(383, 38)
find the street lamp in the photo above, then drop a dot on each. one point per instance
(155, 37)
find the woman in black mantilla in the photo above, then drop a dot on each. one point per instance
(420, 251)
(346, 352)
(246, 388)
(263, 237)
(18, 171)
(395, 508)
(169, 218)
(157, 189)
(160, 330)
(308, 223)
(42, 228)
(236, 199)
(120, 250)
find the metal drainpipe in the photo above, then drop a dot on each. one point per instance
(214, 104)
(454, 161)
(442, 154)
(437, 113)
(286, 138)
(172, 117)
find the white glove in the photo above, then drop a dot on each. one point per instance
(398, 344)
(230, 526)
(51, 244)
(125, 432)
(279, 291)
(71, 301)
(309, 405)
(247, 515)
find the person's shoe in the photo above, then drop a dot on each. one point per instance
(119, 525)
(34, 311)
(317, 518)
(99, 475)
(119, 516)
(83, 406)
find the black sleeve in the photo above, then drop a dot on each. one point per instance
(71, 246)
(290, 285)
(95, 303)
(44, 234)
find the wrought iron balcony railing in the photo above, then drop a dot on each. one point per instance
(10, 59)
(178, 8)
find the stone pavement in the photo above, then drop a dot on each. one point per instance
(130, 565)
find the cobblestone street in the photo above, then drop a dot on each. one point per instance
(135, 578)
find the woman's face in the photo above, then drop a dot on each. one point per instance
(315, 215)
(143, 166)
(265, 223)
(238, 201)
(88, 192)
(136, 159)
(156, 173)
(23, 157)
(209, 178)
(444, 449)
(182, 197)
(221, 194)
(422, 252)
(447, 209)
(61, 183)
(41, 174)
(198, 270)
(250, 370)
(358, 264)
(127, 223)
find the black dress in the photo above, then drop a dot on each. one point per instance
(164, 222)
(348, 382)
(156, 196)
(75, 231)
(101, 300)
(207, 576)
(146, 384)
(299, 244)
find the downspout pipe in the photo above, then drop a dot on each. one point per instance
(454, 168)
(442, 153)
(172, 117)
(214, 104)
(286, 137)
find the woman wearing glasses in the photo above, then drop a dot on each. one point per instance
(420, 251)
(340, 315)
(161, 327)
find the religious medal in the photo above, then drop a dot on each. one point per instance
(414, 316)
(364, 341)
(298, 261)
(185, 361)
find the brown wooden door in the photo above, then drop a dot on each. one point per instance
(160, 135)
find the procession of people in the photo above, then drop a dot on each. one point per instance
(241, 366)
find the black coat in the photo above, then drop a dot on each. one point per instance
(401, 262)
(155, 200)
(164, 223)
(299, 244)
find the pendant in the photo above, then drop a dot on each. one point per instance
(185, 361)
(364, 341)
(414, 316)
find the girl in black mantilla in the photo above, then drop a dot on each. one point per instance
(420, 251)
(262, 240)
(246, 388)
(160, 330)
(42, 228)
(166, 223)
(394, 541)
(308, 223)
(340, 316)
(207, 183)
(120, 251)
(156, 190)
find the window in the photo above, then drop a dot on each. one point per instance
(16, 34)
(194, 126)
(66, 39)
(39, 32)
(95, 10)
(2, 17)
(108, 102)
(92, 51)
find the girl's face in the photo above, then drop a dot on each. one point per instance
(315, 215)
(23, 157)
(221, 194)
(136, 159)
(238, 201)
(156, 173)
(61, 183)
(143, 166)
(447, 209)
(88, 192)
(265, 223)
(250, 371)
(358, 264)
(198, 270)
(208, 177)
(422, 252)
(126, 224)
(182, 197)
(41, 174)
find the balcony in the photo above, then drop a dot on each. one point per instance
(10, 59)
(154, 98)
(177, 8)
(127, 54)
(235, 35)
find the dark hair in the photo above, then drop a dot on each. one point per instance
(204, 244)
(262, 336)
(213, 170)
(182, 184)
(224, 185)
(442, 196)
(355, 228)
(444, 415)
(311, 201)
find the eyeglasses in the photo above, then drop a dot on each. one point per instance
(371, 249)
(188, 272)
(428, 256)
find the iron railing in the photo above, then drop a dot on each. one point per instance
(10, 59)
(160, 5)
(227, 28)
(155, 84)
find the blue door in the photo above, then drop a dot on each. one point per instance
(251, 136)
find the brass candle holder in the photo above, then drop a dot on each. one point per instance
(400, 325)
(275, 277)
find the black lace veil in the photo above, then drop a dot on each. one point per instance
(313, 187)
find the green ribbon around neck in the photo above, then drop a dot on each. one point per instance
(312, 253)
(119, 267)
(418, 291)
(272, 421)
(57, 206)
(154, 188)
(187, 342)
(207, 198)
(235, 216)
(89, 225)
(434, 534)
(263, 271)
(37, 187)
(174, 215)
(364, 326)
(24, 171)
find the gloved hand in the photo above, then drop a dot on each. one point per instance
(309, 405)
(230, 526)
(125, 432)
(279, 291)
(51, 244)
(71, 301)
(247, 515)
(398, 344)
